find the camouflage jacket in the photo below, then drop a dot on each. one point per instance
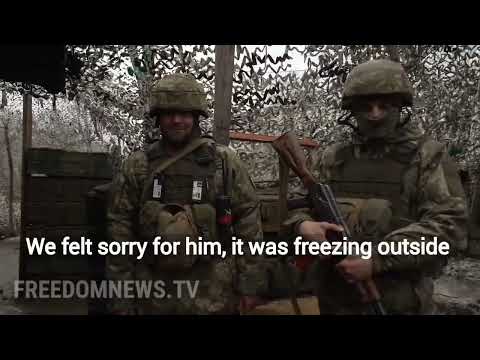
(123, 212)
(429, 186)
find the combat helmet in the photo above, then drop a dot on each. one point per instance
(178, 92)
(377, 77)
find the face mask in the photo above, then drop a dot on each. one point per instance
(379, 129)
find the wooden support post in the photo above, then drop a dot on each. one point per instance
(224, 56)
(283, 191)
(27, 144)
(393, 52)
(27, 121)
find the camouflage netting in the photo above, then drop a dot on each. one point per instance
(271, 96)
(4, 214)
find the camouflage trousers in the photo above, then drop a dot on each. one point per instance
(207, 288)
(401, 292)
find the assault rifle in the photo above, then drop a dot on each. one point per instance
(321, 200)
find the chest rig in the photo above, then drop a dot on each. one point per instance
(178, 200)
(366, 172)
(187, 181)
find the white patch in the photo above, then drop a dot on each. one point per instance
(197, 190)
(157, 189)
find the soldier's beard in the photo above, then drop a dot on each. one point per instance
(379, 129)
(178, 138)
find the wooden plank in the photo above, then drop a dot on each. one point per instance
(27, 121)
(224, 56)
(53, 162)
(267, 138)
(58, 201)
(54, 195)
(54, 189)
(26, 145)
(284, 172)
(56, 234)
(58, 213)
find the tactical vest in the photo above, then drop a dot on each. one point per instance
(355, 174)
(356, 177)
(359, 176)
(360, 172)
(189, 180)
(181, 198)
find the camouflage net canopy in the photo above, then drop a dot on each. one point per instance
(277, 89)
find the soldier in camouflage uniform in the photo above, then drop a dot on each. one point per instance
(152, 197)
(392, 183)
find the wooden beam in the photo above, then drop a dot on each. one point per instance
(224, 56)
(267, 138)
(27, 144)
(393, 52)
(27, 121)
(283, 191)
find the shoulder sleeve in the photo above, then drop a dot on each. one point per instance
(121, 216)
(245, 202)
(252, 269)
(441, 211)
(327, 160)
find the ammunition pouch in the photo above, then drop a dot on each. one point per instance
(367, 219)
(175, 223)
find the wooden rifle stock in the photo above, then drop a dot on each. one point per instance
(289, 150)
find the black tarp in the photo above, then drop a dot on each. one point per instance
(42, 65)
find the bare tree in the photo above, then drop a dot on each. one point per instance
(6, 118)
